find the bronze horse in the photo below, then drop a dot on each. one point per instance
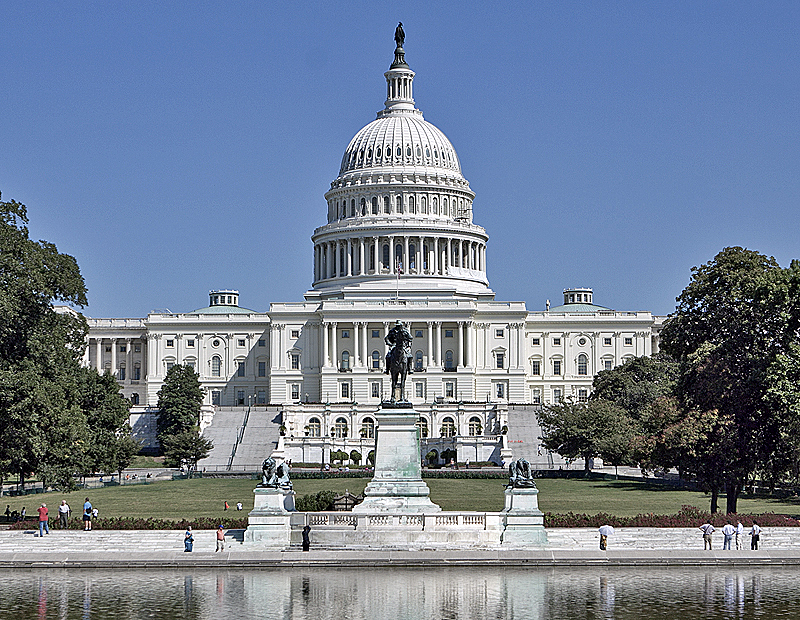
(398, 369)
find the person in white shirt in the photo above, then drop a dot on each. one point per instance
(755, 533)
(707, 530)
(63, 513)
(739, 535)
(728, 531)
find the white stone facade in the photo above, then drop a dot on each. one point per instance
(399, 244)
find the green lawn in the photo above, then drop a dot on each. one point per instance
(205, 498)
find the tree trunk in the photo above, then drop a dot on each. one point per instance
(586, 459)
(714, 500)
(732, 495)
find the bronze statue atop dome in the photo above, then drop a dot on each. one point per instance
(399, 35)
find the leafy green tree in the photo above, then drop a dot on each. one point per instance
(42, 428)
(186, 448)
(732, 322)
(637, 384)
(355, 456)
(179, 401)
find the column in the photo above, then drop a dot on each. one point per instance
(459, 344)
(114, 372)
(470, 345)
(377, 256)
(438, 346)
(98, 354)
(406, 258)
(430, 343)
(356, 344)
(364, 348)
(449, 261)
(328, 268)
(325, 350)
(128, 360)
(361, 247)
(391, 255)
(198, 340)
(349, 257)
(334, 348)
(436, 256)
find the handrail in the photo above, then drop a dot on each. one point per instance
(239, 436)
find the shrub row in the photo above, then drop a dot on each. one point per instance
(134, 523)
(688, 516)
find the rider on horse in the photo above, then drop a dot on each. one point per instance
(400, 338)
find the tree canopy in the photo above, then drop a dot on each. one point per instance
(179, 401)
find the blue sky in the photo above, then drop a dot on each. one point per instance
(175, 147)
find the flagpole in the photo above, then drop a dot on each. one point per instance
(397, 269)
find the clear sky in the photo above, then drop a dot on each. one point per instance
(175, 147)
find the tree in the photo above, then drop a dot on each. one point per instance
(42, 428)
(637, 384)
(355, 456)
(186, 448)
(732, 322)
(586, 430)
(179, 401)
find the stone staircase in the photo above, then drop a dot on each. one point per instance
(28, 541)
(523, 439)
(259, 439)
(224, 432)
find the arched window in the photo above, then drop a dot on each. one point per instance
(448, 427)
(418, 360)
(399, 151)
(368, 428)
(583, 364)
(425, 256)
(412, 256)
(399, 204)
(376, 359)
(363, 207)
(435, 204)
(386, 207)
(408, 151)
(444, 207)
(398, 255)
(371, 257)
(385, 255)
(422, 428)
(340, 428)
(412, 205)
(314, 427)
(423, 203)
(475, 427)
(448, 359)
(378, 153)
(134, 398)
(345, 360)
(374, 206)
(216, 366)
(353, 207)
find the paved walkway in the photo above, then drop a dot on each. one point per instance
(567, 547)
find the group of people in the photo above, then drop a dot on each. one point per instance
(729, 531)
(188, 539)
(64, 512)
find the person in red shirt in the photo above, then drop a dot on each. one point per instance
(44, 526)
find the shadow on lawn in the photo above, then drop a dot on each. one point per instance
(630, 485)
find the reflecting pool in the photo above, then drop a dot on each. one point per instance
(399, 594)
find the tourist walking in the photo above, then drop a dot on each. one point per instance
(728, 532)
(755, 534)
(188, 539)
(739, 535)
(43, 524)
(306, 537)
(707, 530)
(63, 514)
(87, 515)
(220, 539)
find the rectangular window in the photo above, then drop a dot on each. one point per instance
(190, 343)
(295, 361)
(170, 343)
(583, 396)
(240, 342)
(536, 397)
(418, 333)
(628, 341)
(607, 364)
(556, 342)
(137, 348)
(375, 389)
(262, 369)
(190, 364)
(536, 368)
(295, 391)
(448, 333)
(499, 333)
(556, 367)
(607, 342)
(500, 390)
(123, 348)
(501, 358)
(345, 390)
(122, 373)
(345, 333)
(137, 373)
(240, 369)
(556, 396)
(261, 398)
(295, 333)
(419, 389)
(449, 389)
(170, 365)
(262, 342)
(376, 333)
(108, 348)
(216, 397)
(240, 397)
(536, 342)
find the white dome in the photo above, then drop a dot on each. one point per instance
(396, 140)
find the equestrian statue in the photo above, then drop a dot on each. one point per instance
(398, 359)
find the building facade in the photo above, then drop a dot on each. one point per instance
(399, 243)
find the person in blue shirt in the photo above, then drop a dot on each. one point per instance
(87, 515)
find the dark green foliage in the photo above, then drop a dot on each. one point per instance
(319, 502)
(179, 401)
(355, 456)
(185, 448)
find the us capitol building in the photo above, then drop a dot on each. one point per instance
(399, 243)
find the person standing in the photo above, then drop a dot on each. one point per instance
(87, 515)
(63, 514)
(188, 539)
(707, 530)
(755, 534)
(43, 523)
(306, 537)
(728, 531)
(739, 535)
(220, 539)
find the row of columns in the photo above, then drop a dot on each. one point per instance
(364, 255)
(99, 343)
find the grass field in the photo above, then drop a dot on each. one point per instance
(205, 498)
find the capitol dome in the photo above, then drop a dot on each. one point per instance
(399, 219)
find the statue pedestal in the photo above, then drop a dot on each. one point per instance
(523, 521)
(397, 485)
(268, 523)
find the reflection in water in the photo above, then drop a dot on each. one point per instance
(398, 594)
